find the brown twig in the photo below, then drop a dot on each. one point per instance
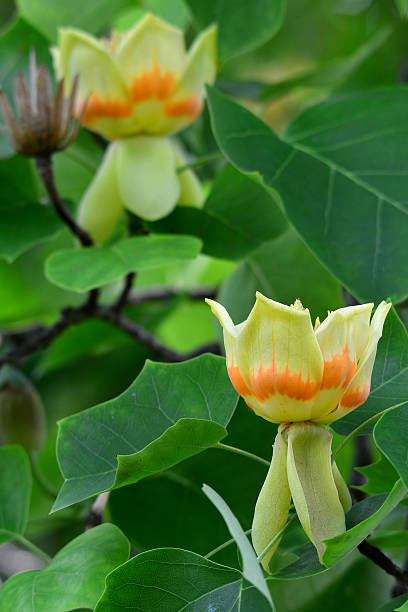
(94, 518)
(123, 298)
(39, 337)
(45, 170)
(379, 558)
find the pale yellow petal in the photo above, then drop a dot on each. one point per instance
(358, 388)
(191, 191)
(147, 178)
(312, 484)
(101, 205)
(272, 506)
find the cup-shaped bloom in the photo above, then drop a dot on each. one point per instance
(139, 87)
(286, 371)
(138, 82)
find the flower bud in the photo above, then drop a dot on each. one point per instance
(22, 419)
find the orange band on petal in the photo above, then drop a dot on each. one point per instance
(237, 380)
(356, 397)
(98, 108)
(338, 371)
(152, 84)
(269, 381)
(191, 106)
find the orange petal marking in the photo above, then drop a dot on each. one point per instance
(269, 381)
(98, 108)
(339, 370)
(152, 84)
(356, 397)
(191, 106)
(237, 380)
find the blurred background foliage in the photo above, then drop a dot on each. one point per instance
(324, 47)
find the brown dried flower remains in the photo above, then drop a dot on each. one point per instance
(44, 122)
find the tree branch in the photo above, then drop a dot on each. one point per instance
(40, 337)
(379, 558)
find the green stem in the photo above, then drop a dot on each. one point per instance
(41, 480)
(240, 451)
(224, 545)
(33, 548)
(275, 538)
(362, 426)
(205, 159)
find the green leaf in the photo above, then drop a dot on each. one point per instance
(171, 579)
(355, 201)
(393, 604)
(389, 539)
(88, 268)
(177, 410)
(47, 16)
(381, 477)
(340, 545)
(74, 578)
(283, 269)
(15, 492)
(23, 227)
(237, 217)
(252, 570)
(18, 181)
(391, 437)
(389, 382)
(259, 19)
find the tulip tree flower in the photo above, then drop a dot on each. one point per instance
(141, 86)
(303, 379)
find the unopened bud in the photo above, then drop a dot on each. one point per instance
(22, 419)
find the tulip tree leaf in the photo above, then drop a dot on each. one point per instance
(283, 269)
(342, 544)
(25, 226)
(381, 477)
(389, 382)
(393, 604)
(15, 492)
(169, 413)
(88, 268)
(237, 217)
(259, 19)
(47, 16)
(172, 579)
(391, 437)
(252, 570)
(74, 578)
(342, 180)
(389, 539)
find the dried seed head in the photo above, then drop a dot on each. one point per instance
(43, 123)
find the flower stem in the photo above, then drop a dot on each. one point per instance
(224, 545)
(275, 538)
(205, 159)
(240, 451)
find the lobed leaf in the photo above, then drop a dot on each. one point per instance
(15, 491)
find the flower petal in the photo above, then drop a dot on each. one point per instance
(151, 42)
(101, 205)
(342, 488)
(185, 103)
(280, 360)
(81, 54)
(272, 506)
(312, 484)
(191, 191)
(147, 177)
(342, 337)
(358, 388)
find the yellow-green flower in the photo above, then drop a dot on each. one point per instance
(303, 378)
(141, 87)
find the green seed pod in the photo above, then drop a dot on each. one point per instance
(22, 419)
(272, 507)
